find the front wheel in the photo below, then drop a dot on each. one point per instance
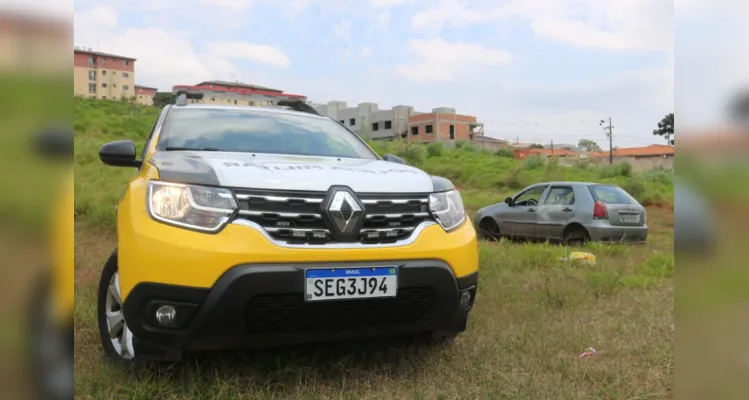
(116, 337)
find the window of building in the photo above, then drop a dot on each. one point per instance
(428, 129)
(125, 87)
(103, 72)
(125, 75)
(452, 132)
(103, 60)
(414, 130)
(91, 61)
(103, 85)
(352, 121)
(235, 102)
(104, 97)
(126, 62)
(388, 124)
(92, 75)
(114, 85)
(375, 126)
(343, 122)
(92, 88)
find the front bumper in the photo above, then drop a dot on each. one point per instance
(263, 305)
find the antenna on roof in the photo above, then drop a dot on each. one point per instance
(183, 95)
(298, 105)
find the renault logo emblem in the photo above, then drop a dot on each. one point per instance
(345, 211)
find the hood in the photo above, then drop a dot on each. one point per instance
(288, 172)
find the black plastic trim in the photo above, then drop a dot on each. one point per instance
(218, 321)
(440, 184)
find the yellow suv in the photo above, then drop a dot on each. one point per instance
(260, 226)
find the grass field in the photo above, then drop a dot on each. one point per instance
(534, 313)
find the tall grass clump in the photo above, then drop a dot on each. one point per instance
(533, 162)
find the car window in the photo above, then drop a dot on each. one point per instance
(260, 131)
(530, 197)
(560, 195)
(610, 194)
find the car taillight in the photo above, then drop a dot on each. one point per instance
(599, 210)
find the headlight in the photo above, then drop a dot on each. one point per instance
(196, 207)
(447, 208)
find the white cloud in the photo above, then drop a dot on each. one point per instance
(632, 25)
(237, 4)
(342, 30)
(389, 3)
(444, 61)
(163, 59)
(366, 51)
(260, 53)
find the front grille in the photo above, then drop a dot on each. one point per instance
(289, 313)
(295, 217)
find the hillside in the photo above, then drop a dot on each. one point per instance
(482, 176)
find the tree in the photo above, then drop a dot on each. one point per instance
(163, 98)
(536, 146)
(588, 145)
(666, 128)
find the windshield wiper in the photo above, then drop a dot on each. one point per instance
(171, 148)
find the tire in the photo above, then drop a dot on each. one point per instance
(488, 229)
(575, 236)
(119, 344)
(438, 338)
(50, 347)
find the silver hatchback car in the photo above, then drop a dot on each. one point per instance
(571, 212)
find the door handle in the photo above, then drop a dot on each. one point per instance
(531, 210)
(566, 209)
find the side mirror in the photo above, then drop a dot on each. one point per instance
(509, 201)
(392, 158)
(55, 143)
(119, 154)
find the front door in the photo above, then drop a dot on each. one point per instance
(521, 216)
(556, 210)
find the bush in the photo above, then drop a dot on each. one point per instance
(533, 163)
(503, 152)
(612, 171)
(414, 154)
(635, 187)
(465, 145)
(434, 149)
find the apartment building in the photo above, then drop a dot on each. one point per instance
(100, 75)
(443, 124)
(367, 119)
(144, 95)
(236, 93)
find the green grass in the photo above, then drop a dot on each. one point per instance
(534, 312)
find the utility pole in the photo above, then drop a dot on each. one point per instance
(610, 134)
(552, 148)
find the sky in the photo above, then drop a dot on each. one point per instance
(537, 70)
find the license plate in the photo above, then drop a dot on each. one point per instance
(350, 283)
(630, 218)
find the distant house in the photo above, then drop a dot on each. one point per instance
(545, 153)
(652, 151)
(641, 158)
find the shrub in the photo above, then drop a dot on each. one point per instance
(434, 149)
(465, 145)
(503, 152)
(533, 163)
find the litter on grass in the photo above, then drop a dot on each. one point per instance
(587, 353)
(579, 256)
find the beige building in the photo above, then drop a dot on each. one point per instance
(231, 93)
(103, 76)
(144, 95)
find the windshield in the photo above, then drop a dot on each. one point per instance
(611, 194)
(259, 131)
